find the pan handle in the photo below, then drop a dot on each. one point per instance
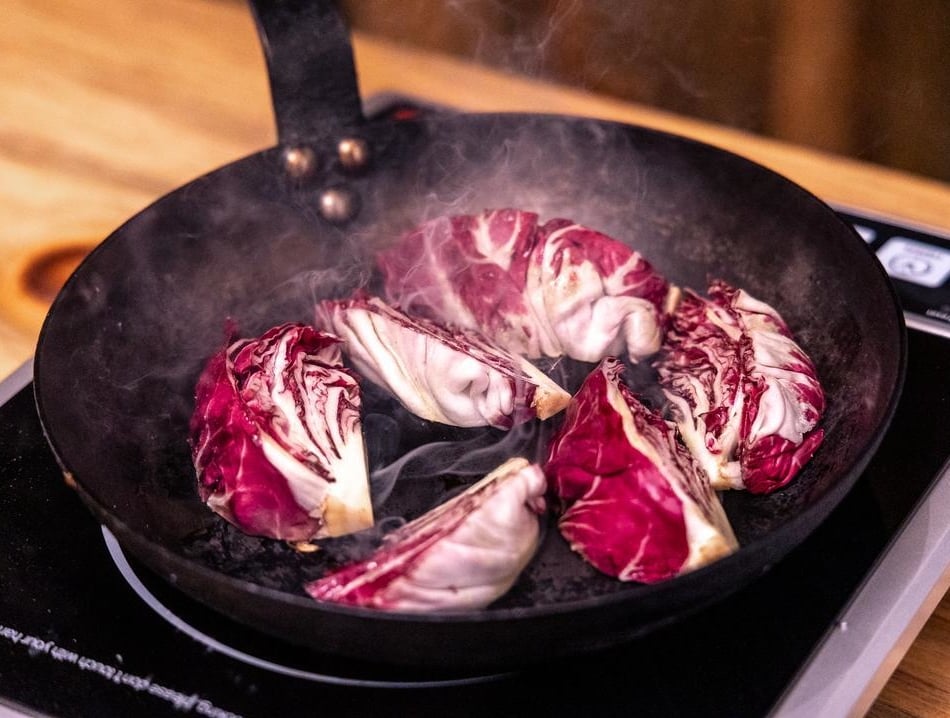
(310, 65)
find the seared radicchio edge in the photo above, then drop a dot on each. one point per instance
(745, 396)
(276, 437)
(635, 505)
(453, 377)
(463, 554)
(537, 290)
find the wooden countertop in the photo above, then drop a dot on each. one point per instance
(108, 104)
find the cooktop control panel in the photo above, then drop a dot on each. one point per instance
(918, 260)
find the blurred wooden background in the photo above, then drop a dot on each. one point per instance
(869, 79)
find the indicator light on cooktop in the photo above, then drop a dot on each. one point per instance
(866, 233)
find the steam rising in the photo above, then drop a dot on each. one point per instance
(466, 459)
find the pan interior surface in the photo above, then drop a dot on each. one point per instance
(245, 246)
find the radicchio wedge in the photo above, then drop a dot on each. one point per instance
(597, 296)
(634, 503)
(462, 555)
(452, 377)
(276, 437)
(537, 290)
(744, 394)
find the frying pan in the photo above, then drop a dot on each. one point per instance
(258, 241)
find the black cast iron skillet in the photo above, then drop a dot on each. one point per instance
(259, 240)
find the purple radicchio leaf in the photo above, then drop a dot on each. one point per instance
(276, 437)
(633, 502)
(744, 394)
(461, 555)
(537, 290)
(469, 271)
(452, 377)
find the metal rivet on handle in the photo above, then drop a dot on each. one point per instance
(354, 153)
(338, 205)
(299, 161)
